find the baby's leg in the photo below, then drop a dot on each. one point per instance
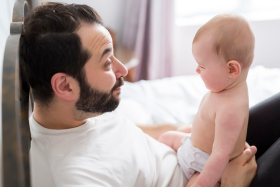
(193, 178)
(156, 130)
(172, 139)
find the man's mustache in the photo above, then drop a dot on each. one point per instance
(119, 83)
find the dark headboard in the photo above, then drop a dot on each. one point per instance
(15, 103)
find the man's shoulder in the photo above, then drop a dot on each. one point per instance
(114, 119)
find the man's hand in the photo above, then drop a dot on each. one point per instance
(241, 170)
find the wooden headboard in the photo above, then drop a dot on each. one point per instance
(15, 107)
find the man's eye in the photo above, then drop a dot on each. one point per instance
(108, 63)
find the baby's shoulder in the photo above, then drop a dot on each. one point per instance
(230, 100)
(234, 105)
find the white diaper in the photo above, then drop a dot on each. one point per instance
(191, 159)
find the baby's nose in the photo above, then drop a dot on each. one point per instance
(197, 70)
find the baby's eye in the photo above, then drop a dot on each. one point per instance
(201, 67)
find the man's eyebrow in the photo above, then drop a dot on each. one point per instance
(107, 50)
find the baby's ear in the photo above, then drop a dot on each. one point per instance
(234, 68)
(63, 86)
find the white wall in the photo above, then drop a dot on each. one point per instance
(6, 9)
(267, 50)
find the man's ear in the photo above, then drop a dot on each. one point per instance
(63, 86)
(234, 69)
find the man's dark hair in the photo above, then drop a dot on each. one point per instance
(50, 45)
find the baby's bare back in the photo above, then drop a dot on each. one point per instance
(216, 113)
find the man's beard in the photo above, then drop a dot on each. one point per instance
(95, 101)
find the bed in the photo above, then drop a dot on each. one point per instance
(176, 99)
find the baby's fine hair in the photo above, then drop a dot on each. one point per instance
(232, 38)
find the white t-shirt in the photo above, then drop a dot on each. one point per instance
(108, 150)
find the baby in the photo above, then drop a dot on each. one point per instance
(224, 50)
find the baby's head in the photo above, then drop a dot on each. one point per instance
(224, 45)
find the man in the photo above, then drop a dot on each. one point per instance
(74, 76)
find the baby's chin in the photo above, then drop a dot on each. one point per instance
(216, 90)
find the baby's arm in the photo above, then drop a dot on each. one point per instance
(172, 139)
(228, 126)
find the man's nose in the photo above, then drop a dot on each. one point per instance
(120, 69)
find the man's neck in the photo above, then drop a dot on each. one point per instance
(56, 117)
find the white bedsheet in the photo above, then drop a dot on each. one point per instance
(176, 99)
